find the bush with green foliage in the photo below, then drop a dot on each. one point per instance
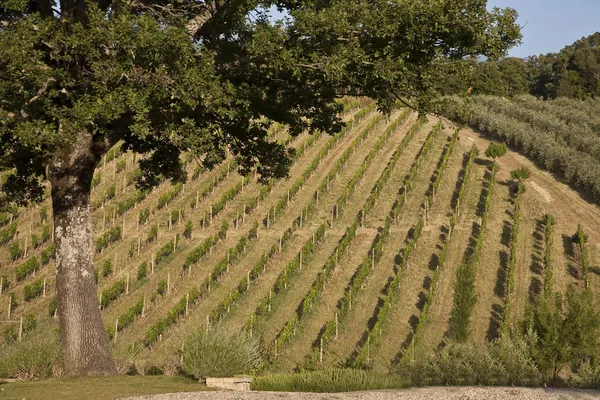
(520, 174)
(5, 282)
(565, 331)
(219, 352)
(96, 180)
(152, 234)
(26, 268)
(109, 237)
(328, 381)
(142, 271)
(187, 232)
(46, 233)
(32, 358)
(48, 254)
(33, 290)
(496, 150)
(502, 362)
(143, 216)
(15, 250)
(110, 192)
(8, 233)
(121, 165)
(161, 287)
(165, 251)
(35, 241)
(112, 293)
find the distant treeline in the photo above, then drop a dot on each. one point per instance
(573, 72)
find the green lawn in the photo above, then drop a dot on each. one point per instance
(97, 388)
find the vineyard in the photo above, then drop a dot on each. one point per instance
(389, 239)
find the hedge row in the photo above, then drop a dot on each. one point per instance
(510, 281)
(549, 227)
(464, 285)
(581, 239)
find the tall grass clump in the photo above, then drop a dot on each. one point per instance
(328, 381)
(219, 352)
(32, 358)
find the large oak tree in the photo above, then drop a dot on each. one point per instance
(172, 76)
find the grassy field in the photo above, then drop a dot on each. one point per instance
(98, 388)
(380, 170)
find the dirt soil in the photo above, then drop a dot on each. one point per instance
(462, 393)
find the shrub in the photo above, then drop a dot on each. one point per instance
(11, 333)
(495, 150)
(43, 213)
(107, 268)
(587, 377)
(328, 381)
(187, 232)
(505, 362)
(45, 233)
(217, 352)
(166, 250)
(142, 271)
(96, 179)
(15, 251)
(8, 233)
(32, 358)
(143, 216)
(29, 323)
(152, 234)
(26, 268)
(520, 174)
(33, 290)
(52, 307)
(161, 287)
(35, 241)
(110, 236)
(5, 282)
(121, 165)
(111, 192)
(175, 214)
(48, 253)
(112, 293)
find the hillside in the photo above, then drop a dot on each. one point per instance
(351, 260)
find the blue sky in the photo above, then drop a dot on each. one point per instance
(552, 24)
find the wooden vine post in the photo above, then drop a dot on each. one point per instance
(116, 330)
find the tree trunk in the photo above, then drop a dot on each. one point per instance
(84, 344)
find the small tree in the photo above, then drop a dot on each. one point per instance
(563, 332)
(495, 150)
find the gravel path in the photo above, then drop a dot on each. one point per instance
(433, 393)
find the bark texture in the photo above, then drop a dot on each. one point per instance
(84, 344)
